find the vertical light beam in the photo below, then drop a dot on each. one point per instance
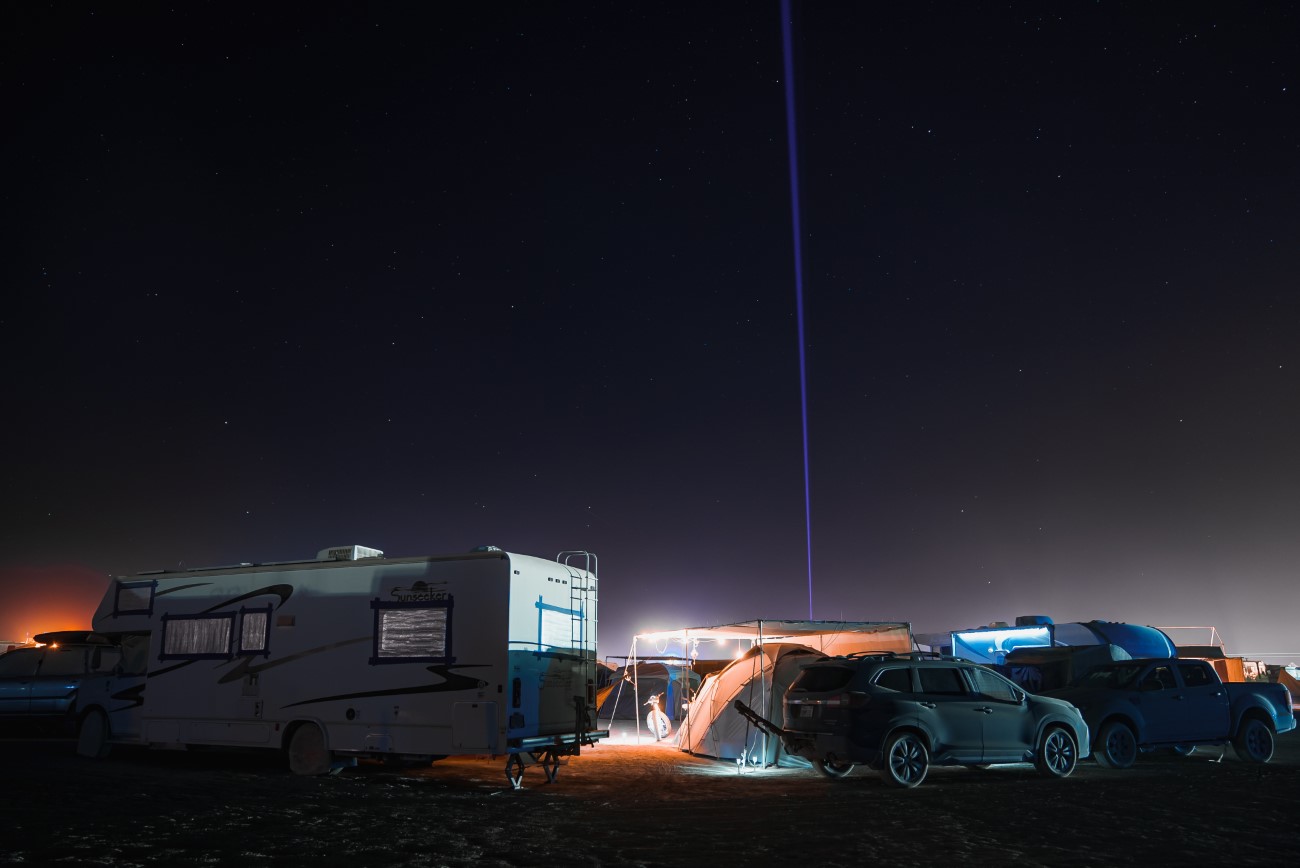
(788, 51)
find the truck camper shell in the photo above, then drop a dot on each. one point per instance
(354, 655)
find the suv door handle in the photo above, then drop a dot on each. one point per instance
(927, 705)
(984, 709)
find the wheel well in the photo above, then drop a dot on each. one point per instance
(879, 762)
(80, 714)
(914, 730)
(1255, 714)
(289, 729)
(1115, 718)
(1057, 724)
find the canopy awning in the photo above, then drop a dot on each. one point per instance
(826, 636)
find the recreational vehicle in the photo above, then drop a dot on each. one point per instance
(354, 655)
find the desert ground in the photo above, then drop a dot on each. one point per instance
(633, 802)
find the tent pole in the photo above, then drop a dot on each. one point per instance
(767, 704)
(690, 667)
(636, 693)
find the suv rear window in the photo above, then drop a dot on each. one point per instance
(823, 679)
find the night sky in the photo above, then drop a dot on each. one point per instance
(432, 276)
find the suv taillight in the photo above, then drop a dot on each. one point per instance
(843, 700)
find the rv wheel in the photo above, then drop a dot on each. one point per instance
(307, 753)
(92, 738)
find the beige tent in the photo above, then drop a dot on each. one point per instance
(760, 677)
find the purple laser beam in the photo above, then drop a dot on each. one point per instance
(787, 47)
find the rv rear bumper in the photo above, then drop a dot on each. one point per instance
(571, 740)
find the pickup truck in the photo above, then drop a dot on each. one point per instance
(1141, 705)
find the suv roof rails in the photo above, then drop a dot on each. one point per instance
(905, 655)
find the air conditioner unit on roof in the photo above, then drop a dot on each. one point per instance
(348, 553)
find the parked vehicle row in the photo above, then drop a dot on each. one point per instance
(898, 714)
(902, 713)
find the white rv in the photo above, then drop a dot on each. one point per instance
(354, 655)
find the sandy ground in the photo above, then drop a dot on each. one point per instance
(628, 804)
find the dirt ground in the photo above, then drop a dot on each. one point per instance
(627, 804)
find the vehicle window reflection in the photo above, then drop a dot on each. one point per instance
(941, 680)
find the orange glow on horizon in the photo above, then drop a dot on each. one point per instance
(45, 599)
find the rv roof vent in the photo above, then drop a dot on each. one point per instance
(348, 553)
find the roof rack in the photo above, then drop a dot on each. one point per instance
(905, 655)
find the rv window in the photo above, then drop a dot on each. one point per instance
(135, 654)
(134, 598)
(557, 627)
(105, 660)
(200, 636)
(419, 632)
(252, 631)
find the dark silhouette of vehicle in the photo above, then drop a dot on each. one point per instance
(40, 683)
(902, 713)
(1140, 705)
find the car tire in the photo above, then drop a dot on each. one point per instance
(833, 768)
(906, 760)
(1254, 741)
(1116, 746)
(1057, 754)
(92, 735)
